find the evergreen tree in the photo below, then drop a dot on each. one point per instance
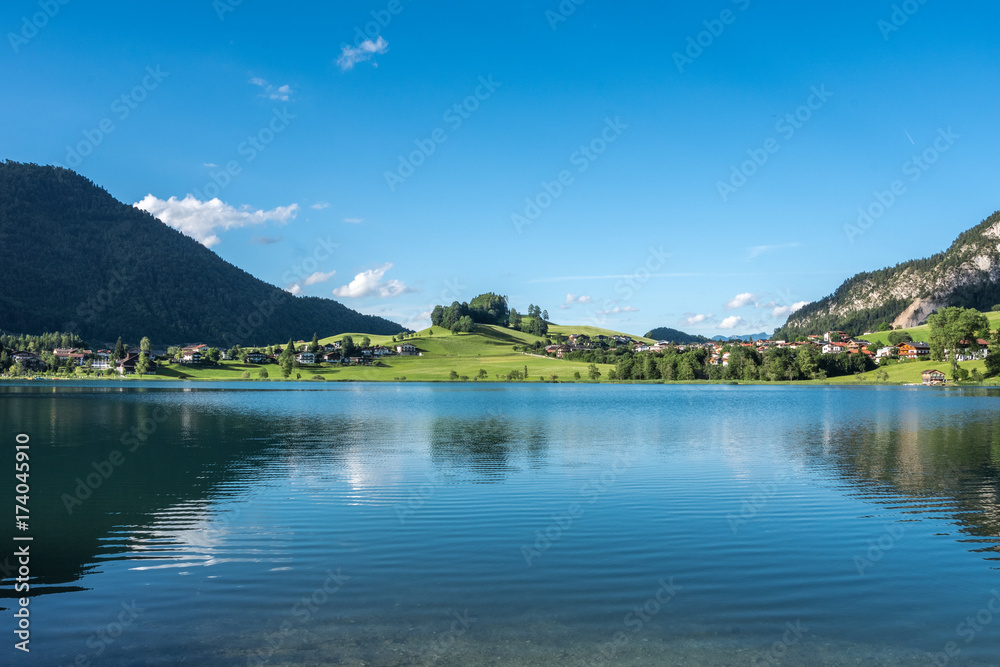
(287, 359)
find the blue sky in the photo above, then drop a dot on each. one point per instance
(698, 166)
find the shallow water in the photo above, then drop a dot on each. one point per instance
(466, 524)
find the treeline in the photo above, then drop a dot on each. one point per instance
(745, 364)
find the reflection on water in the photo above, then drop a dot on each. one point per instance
(389, 525)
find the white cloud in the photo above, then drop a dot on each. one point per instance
(572, 299)
(366, 50)
(319, 277)
(271, 92)
(354, 221)
(202, 219)
(369, 283)
(617, 310)
(740, 300)
(320, 205)
(692, 319)
(294, 288)
(731, 322)
(757, 250)
(784, 311)
(211, 164)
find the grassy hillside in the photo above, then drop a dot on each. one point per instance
(909, 373)
(568, 329)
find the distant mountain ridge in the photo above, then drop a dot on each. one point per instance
(76, 259)
(675, 336)
(967, 274)
(746, 337)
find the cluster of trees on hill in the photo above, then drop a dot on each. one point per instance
(112, 269)
(489, 308)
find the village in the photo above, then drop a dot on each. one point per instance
(345, 353)
(105, 361)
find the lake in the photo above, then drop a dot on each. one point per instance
(497, 524)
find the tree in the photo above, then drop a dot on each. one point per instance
(464, 324)
(348, 348)
(262, 374)
(545, 315)
(576, 375)
(898, 337)
(952, 328)
(366, 342)
(515, 319)
(212, 355)
(489, 308)
(593, 372)
(482, 374)
(245, 375)
(142, 366)
(145, 345)
(235, 352)
(287, 359)
(314, 345)
(992, 356)
(119, 351)
(453, 375)
(885, 326)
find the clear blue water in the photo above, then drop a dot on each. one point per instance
(432, 524)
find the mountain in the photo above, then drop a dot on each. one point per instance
(967, 274)
(747, 337)
(675, 336)
(75, 259)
